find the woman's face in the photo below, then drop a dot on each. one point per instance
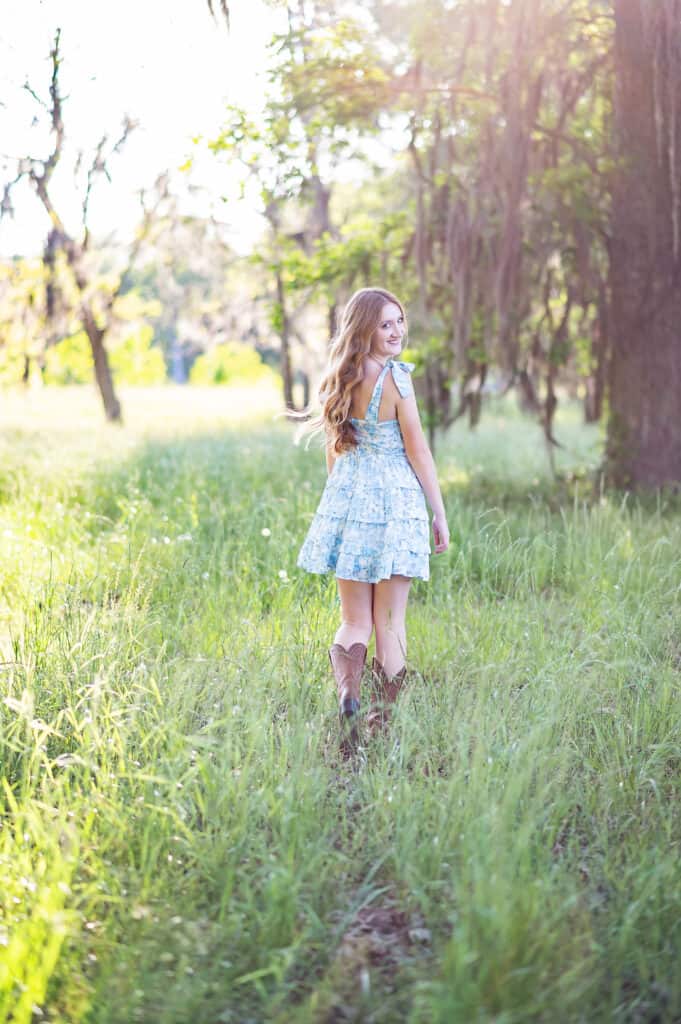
(386, 341)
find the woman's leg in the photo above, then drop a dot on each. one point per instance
(356, 612)
(389, 610)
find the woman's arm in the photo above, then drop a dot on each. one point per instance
(423, 464)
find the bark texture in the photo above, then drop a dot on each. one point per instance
(103, 377)
(644, 430)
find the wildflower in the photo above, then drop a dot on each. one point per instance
(266, 532)
(283, 575)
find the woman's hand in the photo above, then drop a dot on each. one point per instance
(440, 534)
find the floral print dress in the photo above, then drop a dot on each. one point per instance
(372, 522)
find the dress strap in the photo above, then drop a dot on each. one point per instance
(400, 372)
(374, 404)
(401, 376)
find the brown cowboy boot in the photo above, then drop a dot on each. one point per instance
(384, 692)
(348, 666)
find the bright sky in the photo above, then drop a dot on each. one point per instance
(165, 62)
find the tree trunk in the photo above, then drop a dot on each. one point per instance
(285, 336)
(306, 388)
(595, 385)
(112, 407)
(644, 429)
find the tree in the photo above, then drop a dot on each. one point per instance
(95, 304)
(507, 142)
(544, 142)
(326, 89)
(644, 431)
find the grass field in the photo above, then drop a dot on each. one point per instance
(180, 841)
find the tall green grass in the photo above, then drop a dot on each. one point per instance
(180, 840)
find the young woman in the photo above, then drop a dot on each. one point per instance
(371, 526)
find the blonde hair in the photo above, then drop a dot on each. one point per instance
(361, 317)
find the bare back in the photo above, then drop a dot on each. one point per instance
(362, 392)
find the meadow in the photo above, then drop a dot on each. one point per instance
(180, 840)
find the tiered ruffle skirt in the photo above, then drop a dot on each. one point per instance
(372, 522)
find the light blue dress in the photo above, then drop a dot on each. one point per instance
(372, 522)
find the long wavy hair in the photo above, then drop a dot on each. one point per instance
(360, 318)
